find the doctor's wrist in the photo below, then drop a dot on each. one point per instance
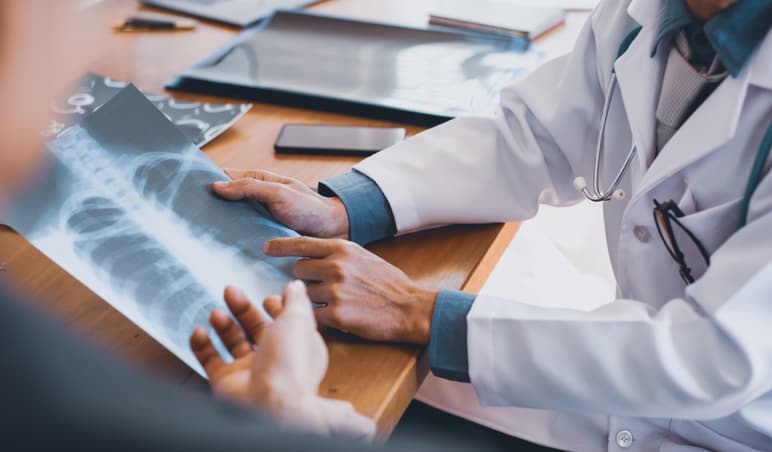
(419, 325)
(338, 222)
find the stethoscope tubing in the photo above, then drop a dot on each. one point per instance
(613, 191)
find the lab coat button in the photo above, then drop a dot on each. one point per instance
(624, 439)
(642, 234)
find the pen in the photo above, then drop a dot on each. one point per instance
(152, 23)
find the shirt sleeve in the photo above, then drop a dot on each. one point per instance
(369, 213)
(700, 356)
(502, 166)
(448, 340)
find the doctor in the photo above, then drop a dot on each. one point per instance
(682, 360)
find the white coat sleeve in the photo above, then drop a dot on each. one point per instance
(542, 134)
(700, 357)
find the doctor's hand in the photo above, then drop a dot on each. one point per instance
(277, 365)
(364, 295)
(289, 201)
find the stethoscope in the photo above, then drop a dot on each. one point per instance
(614, 192)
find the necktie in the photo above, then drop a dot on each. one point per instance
(682, 85)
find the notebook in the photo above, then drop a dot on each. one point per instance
(496, 17)
(241, 13)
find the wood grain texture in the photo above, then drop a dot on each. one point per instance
(380, 380)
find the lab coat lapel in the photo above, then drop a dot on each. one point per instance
(639, 78)
(713, 124)
(709, 128)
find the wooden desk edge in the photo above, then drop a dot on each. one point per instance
(406, 386)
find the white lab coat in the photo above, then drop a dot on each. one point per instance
(672, 365)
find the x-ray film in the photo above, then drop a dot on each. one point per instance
(202, 122)
(125, 207)
(422, 75)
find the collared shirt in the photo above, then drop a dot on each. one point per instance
(732, 34)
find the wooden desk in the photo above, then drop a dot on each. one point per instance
(380, 380)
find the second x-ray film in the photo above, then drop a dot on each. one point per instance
(423, 75)
(125, 206)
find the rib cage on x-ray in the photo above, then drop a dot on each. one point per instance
(126, 223)
(125, 206)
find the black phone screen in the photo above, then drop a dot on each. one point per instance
(339, 140)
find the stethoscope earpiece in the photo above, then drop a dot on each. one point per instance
(580, 184)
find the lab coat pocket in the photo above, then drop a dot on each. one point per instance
(711, 227)
(687, 204)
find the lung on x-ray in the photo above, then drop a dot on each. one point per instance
(125, 206)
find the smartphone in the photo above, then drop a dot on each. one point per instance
(336, 140)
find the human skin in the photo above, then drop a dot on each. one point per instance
(705, 9)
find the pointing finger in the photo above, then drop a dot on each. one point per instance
(301, 247)
(314, 270)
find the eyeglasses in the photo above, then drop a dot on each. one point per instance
(666, 217)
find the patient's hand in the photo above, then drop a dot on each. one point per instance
(289, 201)
(277, 365)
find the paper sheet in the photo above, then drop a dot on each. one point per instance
(202, 122)
(559, 4)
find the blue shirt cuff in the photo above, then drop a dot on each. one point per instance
(448, 357)
(369, 214)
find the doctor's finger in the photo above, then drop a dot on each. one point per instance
(251, 320)
(302, 247)
(252, 189)
(315, 269)
(230, 334)
(266, 176)
(205, 352)
(329, 316)
(320, 293)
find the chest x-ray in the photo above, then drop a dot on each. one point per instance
(125, 207)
